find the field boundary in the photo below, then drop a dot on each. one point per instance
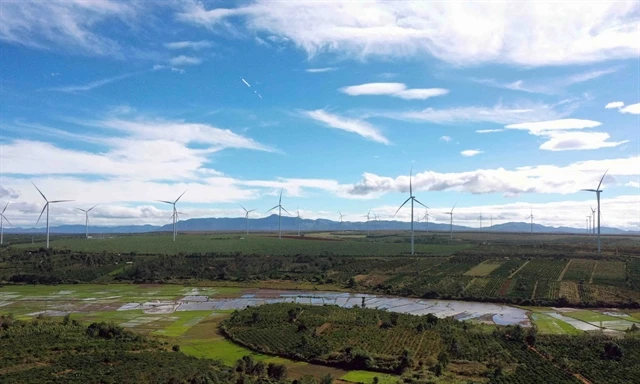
(593, 272)
(566, 267)
(518, 270)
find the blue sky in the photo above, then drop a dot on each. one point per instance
(502, 108)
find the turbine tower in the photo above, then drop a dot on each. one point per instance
(246, 217)
(46, 206)
(2, 218)
(368, 216)
(280, 209)
(597, 191)
(531, 217)
(298, 213)
(412, 199)
(593, 222)
(174, 216)
(426, 219)
(451, 220)
(480, 217)
(491, 223)
(341, 216)
(86, 219)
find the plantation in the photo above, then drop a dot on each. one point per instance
(425, 347)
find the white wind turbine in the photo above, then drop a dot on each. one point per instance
(368, 216)
(588, 219)
(2, 218)
(174, 215)
(531, 218)
(280, 209)
(46, 206)
(480, 217)
(412, 199)
(86, 219)
(597, 191)
(298, 217)
(246, 217)
(593, 220)
(341, 216)
(426, 219)
(451, 220)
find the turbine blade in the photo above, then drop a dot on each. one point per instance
(245, 209)
(280, 200)
(605, 174)
(5, 217)
(42, 194)
(454, 206)
(60, 201)
(410, 184)
(251, 210)
(164, 201)
(589, 190)
(39, 217)
(285, 211)
(405, 202)
(272, 209)
(80, 209)
(5, 207)
(417, 201)
(180, 197)
(92, 207)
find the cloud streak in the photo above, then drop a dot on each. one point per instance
(359, 127)
(321, 70)
(195, 45)
(94, 84)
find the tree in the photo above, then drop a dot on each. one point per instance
(276, 371)
(530, 338)
(437, 370)
(326, 379)
(612, 351)
(352, 283)
(376, 380)
(175, 348)
(443, 359)
(259, 369)
(394, 318)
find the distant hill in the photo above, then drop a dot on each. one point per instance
(270, 223)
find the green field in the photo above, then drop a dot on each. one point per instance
(245, 244)
(549, 325)
(483, 269)
(367, 377)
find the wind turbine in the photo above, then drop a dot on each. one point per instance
(480, 217)
(280, 209)
(491, 223)
(597, 191)
(588, 217)
(46, 206)
(341, 216)
(531, 217)
(86, 221)
(451, 218)
(593, 218)
(175, 213)
(2, 218)
(368, 216)
(298, 213)
(413, 199)
(246, 217)
(426, 218)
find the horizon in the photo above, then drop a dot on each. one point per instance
(333, 103)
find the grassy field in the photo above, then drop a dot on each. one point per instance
(549, 325)
(245, 244)
(367, 377)
(483, 269)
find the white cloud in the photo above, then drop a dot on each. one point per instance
(68, 25)
(499, 113)
(543, 127)
(393, 89)
(633, 184)
(321, 70)
(567, 141)
(633, 109)
(614, 104)
(182, 60)
(471, 152)
(548, 86)
(445, 138)
(561, 134)
(359, 127)
(489, 130)
(504, 32)
(94, 84)
(195, 45)
(539, 179)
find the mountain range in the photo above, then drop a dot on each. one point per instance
(270, 223)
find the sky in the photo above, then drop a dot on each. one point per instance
(505, 109)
